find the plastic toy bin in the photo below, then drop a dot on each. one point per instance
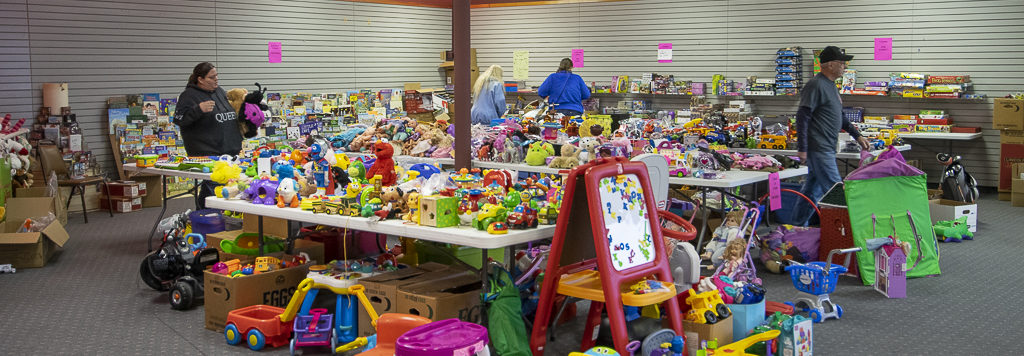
(206, 221)
(746, 317)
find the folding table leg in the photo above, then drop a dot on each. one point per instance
(67, 205)
(106, 188)
(85, 212)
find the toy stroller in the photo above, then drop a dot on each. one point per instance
(745, 271)
(313, 330)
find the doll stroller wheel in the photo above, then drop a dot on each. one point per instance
(723, 311)
(839, 312)
(291, 347)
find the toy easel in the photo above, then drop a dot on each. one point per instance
(615, 228)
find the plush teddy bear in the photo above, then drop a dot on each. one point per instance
(538, 153)
(384, 165)
(236, 97)
(588, 148)
(250, 114)
(568, 159)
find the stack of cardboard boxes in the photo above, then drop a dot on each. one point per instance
(448, 65)
(30, 249)
(430, 290)
(1008, 117)
(123, 196)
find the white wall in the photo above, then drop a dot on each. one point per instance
(108, 48)
(739, 38)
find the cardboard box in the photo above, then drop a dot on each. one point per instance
(382, 289)
(696, 333)
(150, 188)
(1008, 114)
(1009, 154)
(453, 296)
(121, 204)
(1017, 193)
(58, 208)
(31, 249)
(798, 340)
(943, 210)
(223, 294)
(1005, 196)
(314, 249)
(271, 226)
(121, 189)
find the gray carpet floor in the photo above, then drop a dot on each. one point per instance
(90, 300)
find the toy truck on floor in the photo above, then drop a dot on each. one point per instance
(706, 307)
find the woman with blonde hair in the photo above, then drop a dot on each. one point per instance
(488, 96)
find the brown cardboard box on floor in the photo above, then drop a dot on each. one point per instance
(1017, 193)
(1008, 114)
(223, 294)
(314, 249)
(129, 189)
(150, 189)
(30, 249)
(1011, 136)
(121, 204)
(696, 333)
(42, 192)
(1004, 195)
(1009, 154)
(382, 289)
(453, 296)
(271, 226)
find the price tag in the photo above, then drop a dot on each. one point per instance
(774, 191)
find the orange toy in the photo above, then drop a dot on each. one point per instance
(389, 327)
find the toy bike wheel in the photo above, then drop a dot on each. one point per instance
(231, 334)
(710, 317)
(147, 275)
(255, 340)
(723, 311)
(839, 312)
(815, 316)
(182, 296)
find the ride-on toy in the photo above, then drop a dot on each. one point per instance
(178, 264)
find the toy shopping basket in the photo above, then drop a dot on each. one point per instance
(816, 278)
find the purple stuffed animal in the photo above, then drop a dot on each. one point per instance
(262, 191)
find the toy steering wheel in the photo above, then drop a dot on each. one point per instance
(689, 231)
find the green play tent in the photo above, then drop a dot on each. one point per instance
(889, 188)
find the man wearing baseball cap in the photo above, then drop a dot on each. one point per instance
(818, 121)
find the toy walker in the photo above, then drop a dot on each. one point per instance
(815, 280)
(315, 329)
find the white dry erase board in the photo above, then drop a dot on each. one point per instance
(625, 218)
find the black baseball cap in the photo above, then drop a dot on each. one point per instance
(833, 53)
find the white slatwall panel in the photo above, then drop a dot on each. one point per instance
(738, 38)
(108, 48)
(15, 69)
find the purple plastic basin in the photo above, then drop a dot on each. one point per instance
(443, 338)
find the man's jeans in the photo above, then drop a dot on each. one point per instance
(822, 174)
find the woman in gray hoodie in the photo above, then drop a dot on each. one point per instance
(208, 123)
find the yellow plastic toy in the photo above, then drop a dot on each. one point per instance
(775, 142)
(737, 348)
(707, 307)
(266, 264)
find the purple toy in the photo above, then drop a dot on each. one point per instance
(890, 278)
(443, 338)
(313, 330)
(262, 191)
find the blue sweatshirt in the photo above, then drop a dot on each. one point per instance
(489, 103)
(565, 89)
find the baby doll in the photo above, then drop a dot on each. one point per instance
(735, 251)
(729, 230)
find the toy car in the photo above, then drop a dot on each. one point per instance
(707, 307)
(522, 217)
(547, 215)
(497, 228)
(489, 213)
(679, 172)
(178, 266)
(775, 142)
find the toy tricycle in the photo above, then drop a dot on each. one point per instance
(315, 329)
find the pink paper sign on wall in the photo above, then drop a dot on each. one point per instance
(774, 191)
(664, 53)
(577, 58)
(883, 48)
(274, 52)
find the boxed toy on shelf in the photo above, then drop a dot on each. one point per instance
(789, 71)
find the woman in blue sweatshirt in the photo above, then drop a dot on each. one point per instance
(565, 90)
(208, 122)
(488, 96)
